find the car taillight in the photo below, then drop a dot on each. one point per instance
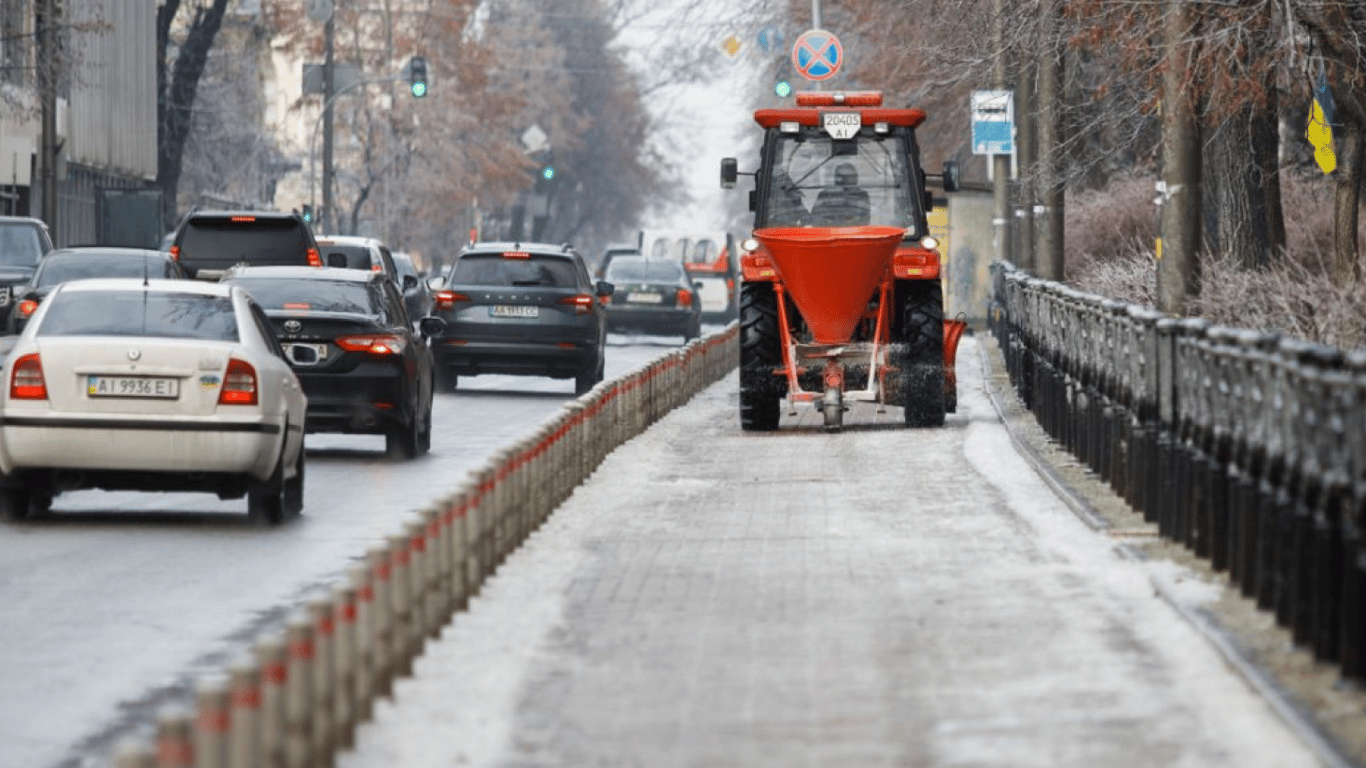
(315, 259)
(175, 253)
(583, 303)
(27, 307)
(446, 299)
(685, 298)
(26, 379)
(380, 344)
(239, 384)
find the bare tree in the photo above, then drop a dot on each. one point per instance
(177, 88)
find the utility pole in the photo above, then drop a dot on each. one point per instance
(329, 87)
(1050, 255)
(48, 58)
(1000, 163)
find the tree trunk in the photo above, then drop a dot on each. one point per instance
(1242, 202)
(1349, 144)
(1177, 268)
(176, 94)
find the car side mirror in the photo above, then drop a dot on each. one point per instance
(431, 326)
(605, 288)
(436, 282)
(697, 285)
(409, 282)
(730, 171)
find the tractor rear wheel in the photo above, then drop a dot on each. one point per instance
(922, 359)
(760, 353)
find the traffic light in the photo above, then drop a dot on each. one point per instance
(308, 213)
(417, 74)
(783, 89)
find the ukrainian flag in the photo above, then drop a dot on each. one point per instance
(1320, 129)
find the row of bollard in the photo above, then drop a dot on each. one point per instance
(1246, 447)
(296, 700)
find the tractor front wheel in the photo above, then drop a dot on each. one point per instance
(760, 353)
(922, 358)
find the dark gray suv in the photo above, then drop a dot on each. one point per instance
(208, 243)
(526, 309)
(24, 242)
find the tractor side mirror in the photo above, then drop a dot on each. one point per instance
(730, 171)
(753, 199)
(951, 176)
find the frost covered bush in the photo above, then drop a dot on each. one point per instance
(1111, 237)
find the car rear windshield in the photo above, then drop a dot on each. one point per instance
(310, 295)
(59, 269)
(497, 269)
(641, 269)
(220, 242)
(348, 256)
(140, 313)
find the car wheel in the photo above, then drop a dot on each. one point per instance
(424, 437)
(403, 442)
(15, 502)
(584, 382)
(294, 488)
(446, 381)
(694, 330)
(266, 500)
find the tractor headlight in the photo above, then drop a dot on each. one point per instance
(929, 243)
(750, 245)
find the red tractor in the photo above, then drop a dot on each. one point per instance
(841, 298)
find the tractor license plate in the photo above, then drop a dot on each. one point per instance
(514, 310)
(841, 125)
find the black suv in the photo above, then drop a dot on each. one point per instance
(23, 243)
(207, 243)
(362, 364)
(525, 309)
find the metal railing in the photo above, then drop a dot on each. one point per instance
(1248, 448)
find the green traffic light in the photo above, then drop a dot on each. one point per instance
(419, 90)
(783, 88)
(548, 173)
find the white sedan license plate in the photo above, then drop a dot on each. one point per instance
(513, 310)
(644, 298)
(132, 386)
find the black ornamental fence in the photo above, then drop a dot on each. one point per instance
(1246, 447)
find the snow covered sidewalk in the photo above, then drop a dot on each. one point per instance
(874, 597)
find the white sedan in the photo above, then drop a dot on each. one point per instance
(151, 385)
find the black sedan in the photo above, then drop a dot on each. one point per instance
(80, 262)
(653, 296)
(346, 334)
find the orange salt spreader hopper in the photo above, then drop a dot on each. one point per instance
(831, 272)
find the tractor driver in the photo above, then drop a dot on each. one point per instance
(843, 205)
(787, 209)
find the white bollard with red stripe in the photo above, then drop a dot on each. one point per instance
(244, 726)
(211, 722)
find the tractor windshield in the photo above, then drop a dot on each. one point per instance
(816, 181)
